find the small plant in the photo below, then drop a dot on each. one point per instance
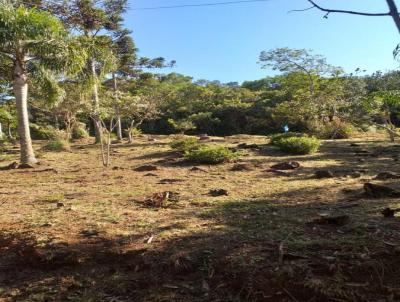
(276, 138)
(136, 131)
(210, 155)
(79, 132)
(299, 145)
(133, 132)
(185, 144)
(57, 145)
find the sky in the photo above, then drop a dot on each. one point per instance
(224, 42)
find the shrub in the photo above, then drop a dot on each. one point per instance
(335, 129)
(210, 155)
(79, 132)
(299, 145)
(57, 145)
(185, 144)
(42, 133)
(134, 132)
(276, 138)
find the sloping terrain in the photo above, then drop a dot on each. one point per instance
(72, 230)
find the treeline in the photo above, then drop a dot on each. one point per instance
(174, 103)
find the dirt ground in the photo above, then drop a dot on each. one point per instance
(71, 230)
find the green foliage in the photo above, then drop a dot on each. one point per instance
(134, 132)
(181, 126)
(334, 130)
(44, 38)
(79, 132)
(277, 138)
(42, 132)
(185, 144)
(297, 60)
(210, 155)
(57, 145)
(299, 145)
(3, 141)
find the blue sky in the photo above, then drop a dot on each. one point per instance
(223, 42)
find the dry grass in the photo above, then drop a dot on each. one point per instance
(74, 231)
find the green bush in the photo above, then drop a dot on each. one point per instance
(185, 144)
(134, 132)
(42, 132)
(336, 130)
(57, 145)
(210, 155)
(79, 132)
(276, 138)
(299, 145)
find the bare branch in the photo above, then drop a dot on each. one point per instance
(328, 11)
(301, 10)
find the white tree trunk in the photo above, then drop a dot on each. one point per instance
(119, 125)
(119, 128)
(9, 131)
(1, 131)
(20, 87)
(96, 102)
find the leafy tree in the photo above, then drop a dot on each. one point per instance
(380, 106)
(129, 66)
(72, 103)
(96, 22)
(139, 109)
(35, 45)
(288, 60)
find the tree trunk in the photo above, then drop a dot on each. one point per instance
(119, 124)
(1, 131)
(96, 102)
(20, 87)
(9, 131)
(119, 128)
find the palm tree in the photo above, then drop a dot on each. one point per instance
(36, 46)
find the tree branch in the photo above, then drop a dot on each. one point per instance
(328, 11)
(8, 55)
(301, 10)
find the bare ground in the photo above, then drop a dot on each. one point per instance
(71, 230)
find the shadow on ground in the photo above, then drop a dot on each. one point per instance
(253, 250)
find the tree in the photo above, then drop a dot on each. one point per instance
(35, 45)
(297, 60)
(129, 66)
(96, 21)
(138, 109)
(125, 52)
(72, 103)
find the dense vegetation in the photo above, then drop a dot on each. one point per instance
(180, 105)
